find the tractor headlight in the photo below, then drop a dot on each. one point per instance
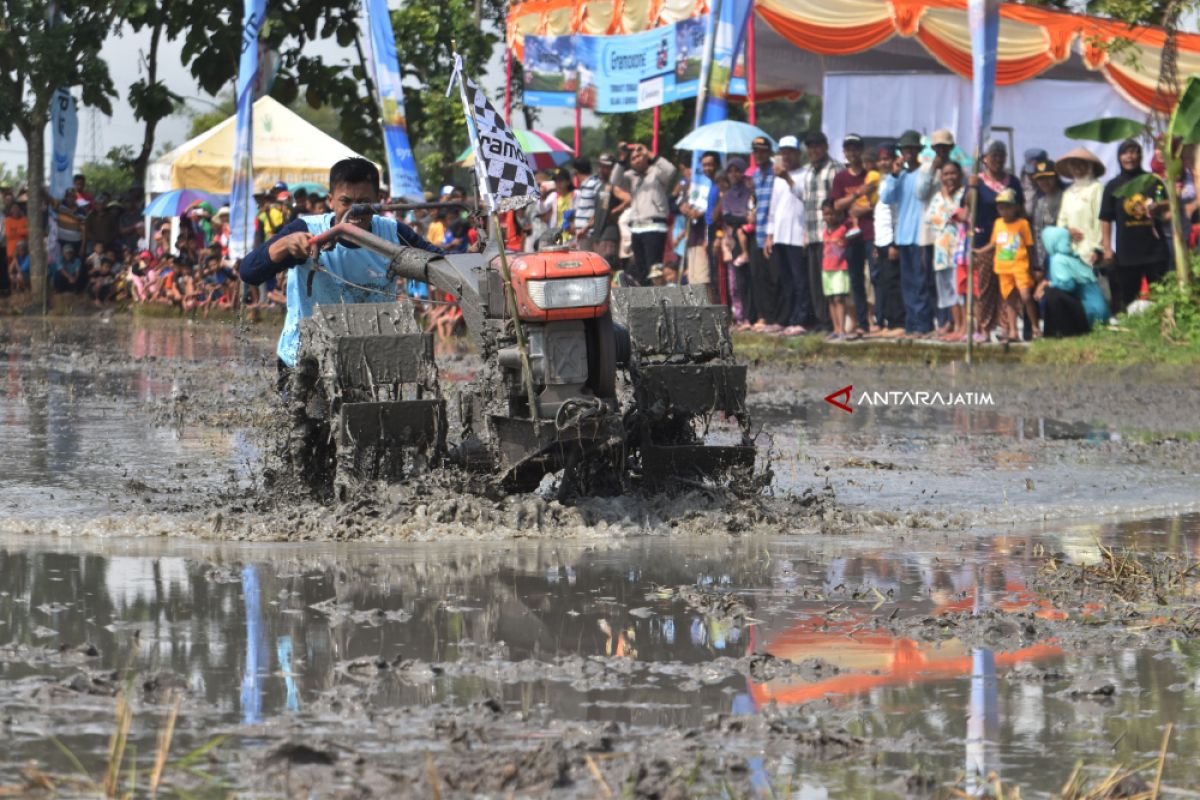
(568, 292)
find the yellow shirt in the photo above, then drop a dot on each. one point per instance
(436, 233)
(1012, 240)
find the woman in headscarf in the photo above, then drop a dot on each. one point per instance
(1073, 300)
(1141, 250)
(1080, 209)
(990, 181)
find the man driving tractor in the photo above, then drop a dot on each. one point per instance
(343, 274)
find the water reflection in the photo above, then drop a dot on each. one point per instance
(262, 633)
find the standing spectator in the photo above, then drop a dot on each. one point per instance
(611, 202)
(221, 231)
(850, 186)
(946, 218)
(69, 220)
(698, 207)
(941, 142)
(764, 187)
(781, 291)
(79, 183)
(103, 223)
(1033, 156)
(1045, 208)
(990, 181)
(885, 268)
(1010, 246)
(103, 283)
(1141, 249)
(909, 186)
(649, 180)
(815, 184)
(1079, 212)
(836, 284)
(557, 204)
(736, 208)
(16, 228)
(585, 204)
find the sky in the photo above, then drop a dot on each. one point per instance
(124, 54)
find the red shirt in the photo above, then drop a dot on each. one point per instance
(845, 183)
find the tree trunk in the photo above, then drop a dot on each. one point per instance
(143, 158)
(35, 149)
(1179, 249)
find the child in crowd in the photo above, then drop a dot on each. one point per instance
(1011, 246)
(102, 284)
(835, 272)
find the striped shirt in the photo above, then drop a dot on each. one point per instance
(764, 183)
(816, 182)
(585, 201)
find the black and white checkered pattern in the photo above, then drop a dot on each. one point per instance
(503, 170)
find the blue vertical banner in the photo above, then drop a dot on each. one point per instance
(983, 18)
(403, 180)
(241, 192)
(64, 131)
(729, 30)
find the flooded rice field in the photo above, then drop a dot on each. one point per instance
(924, 597)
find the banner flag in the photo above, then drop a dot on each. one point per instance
(241, 193)
(983, 18)
(502, 170)
(403, 179)
(730, 33)
(64, 131)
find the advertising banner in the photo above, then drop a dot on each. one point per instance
(64, 131)
(402, 166)
(611, 74)
(241, 193)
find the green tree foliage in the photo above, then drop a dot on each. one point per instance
(592, 140)
(114, 174)
(424, 36)
(36, 59)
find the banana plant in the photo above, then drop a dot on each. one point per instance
(1182, 128)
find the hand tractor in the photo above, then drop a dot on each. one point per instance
(612, 387)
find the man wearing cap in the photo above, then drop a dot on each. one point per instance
(763, 184)
(1033, 156)
(816, 182)
(611, 202)
(345, 274)
(648, 179)
(781, 292)
(850, 188)
(909, 187)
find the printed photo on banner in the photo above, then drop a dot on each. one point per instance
(551, 71)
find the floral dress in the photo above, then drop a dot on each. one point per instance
(946, 228)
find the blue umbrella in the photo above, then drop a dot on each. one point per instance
(175, 202)
(726, 136)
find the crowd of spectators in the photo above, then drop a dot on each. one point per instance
(795, 242)
(877, 244)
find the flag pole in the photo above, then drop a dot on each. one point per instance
(510, 296)
(508, 61)
(751, 81)
(973, 204)
(654, 142)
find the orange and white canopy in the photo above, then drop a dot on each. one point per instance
(900, 34)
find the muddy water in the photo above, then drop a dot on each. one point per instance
(910, 640)
(379, 649)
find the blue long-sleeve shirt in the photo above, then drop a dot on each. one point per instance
(257, 267)
(346, 274)
(908, 191)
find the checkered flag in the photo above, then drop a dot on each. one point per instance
(502, 170)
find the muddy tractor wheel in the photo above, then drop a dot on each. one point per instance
(602, 357)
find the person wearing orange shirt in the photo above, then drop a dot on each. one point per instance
(1011, 245)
